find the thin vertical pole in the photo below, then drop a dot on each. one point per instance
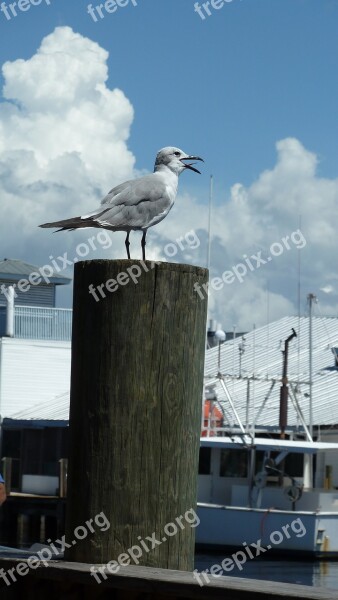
(311, 298)
(209, 221)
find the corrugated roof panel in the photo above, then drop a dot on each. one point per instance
(56, 409)
(263, 358)
(12, 268)
(32, 371)
(40, 377)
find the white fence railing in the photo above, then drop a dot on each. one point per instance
(33, 322)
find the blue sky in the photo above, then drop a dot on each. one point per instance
(229, 88)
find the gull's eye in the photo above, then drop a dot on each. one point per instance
(177, 153)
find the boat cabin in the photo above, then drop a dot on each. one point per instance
(267, 473)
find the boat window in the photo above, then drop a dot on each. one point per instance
(293, 465)
(204, 461)
(259, 464)
(234, 463)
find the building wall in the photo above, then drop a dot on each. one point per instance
(36, 295)
(33, 450)
(32, 372)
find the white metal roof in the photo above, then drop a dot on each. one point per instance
(14, 269)
(47, 384)
(56, 409)
(32, 372)
(271, 444)
(262, 359)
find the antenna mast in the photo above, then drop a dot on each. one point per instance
(311, 298)
(209, 222)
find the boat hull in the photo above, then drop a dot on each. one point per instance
(263, 532)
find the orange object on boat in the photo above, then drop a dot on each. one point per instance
(213, 418)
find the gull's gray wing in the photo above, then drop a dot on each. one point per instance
(150, 187)
(138, 203)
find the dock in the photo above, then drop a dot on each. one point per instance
(74, 581)
(29, 518)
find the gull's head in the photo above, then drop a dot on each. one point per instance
(175, 160)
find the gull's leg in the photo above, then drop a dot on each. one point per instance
(127, 243)
(143, 244)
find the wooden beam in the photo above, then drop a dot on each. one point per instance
(74, 580)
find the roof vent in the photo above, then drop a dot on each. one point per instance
(335, 354)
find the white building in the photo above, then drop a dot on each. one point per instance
(35, 359)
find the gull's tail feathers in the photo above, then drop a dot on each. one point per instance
(69, 224)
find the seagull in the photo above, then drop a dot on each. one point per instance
(138, 203)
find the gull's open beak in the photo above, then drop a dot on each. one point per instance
(190, 166)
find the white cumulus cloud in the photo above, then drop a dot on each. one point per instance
(287, 218)
(64, 143)
(63, 140)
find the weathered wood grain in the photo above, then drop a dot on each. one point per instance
(136, 394)
(72, 581)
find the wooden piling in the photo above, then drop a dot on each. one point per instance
(136, 398)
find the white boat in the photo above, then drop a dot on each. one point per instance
(266, 485)
(263, 495)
